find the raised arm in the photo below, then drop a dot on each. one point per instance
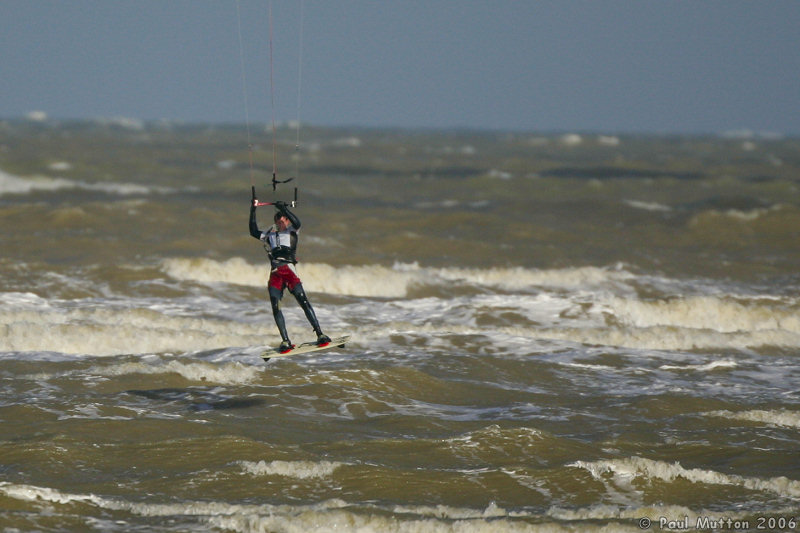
(284, 210)
(254, 231)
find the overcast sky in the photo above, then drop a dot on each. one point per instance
(611, 66)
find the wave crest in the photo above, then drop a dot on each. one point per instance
(390, 282)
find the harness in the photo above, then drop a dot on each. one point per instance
(280, 246)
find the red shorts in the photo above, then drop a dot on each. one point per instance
(283, 276)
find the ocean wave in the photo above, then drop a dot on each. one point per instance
(716, 313)
(672, 338)
(234, 373)
(10, 184)
(91, 329)
(493, 444)
(292, 469)
(326, 515)
(779, 417)
(675, 517)
(738, 215)
(708, 367)
(510, 306)
(103, 326)
(623, 471)
(392, 282)
(339, 515)
(368, 281)
(526, 339)
(648, 206)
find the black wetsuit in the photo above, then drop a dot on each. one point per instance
(281, 246)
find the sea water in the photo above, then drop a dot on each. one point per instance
(546, 335)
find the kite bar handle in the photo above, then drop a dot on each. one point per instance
(261, 204)
(293, 203)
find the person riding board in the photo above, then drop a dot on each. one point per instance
(280, 242)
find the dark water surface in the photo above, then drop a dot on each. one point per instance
(547, 335)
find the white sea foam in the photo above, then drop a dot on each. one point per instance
(371, 280)
(608, 140)
(327, 515)
(571, 139)
(87, 328)
(623, 471)
(713, 365)
(716, 313)
(227, 374)
(60, 166)
(521, 278)
(671, 338)
(235, 270)
(588, 305)
(780, 417)
(750, 215)
(293, 469)
(695, 322)
(338, 515)
(735, 215)
(232, 373)
(27, 299)
(10, 184)
(655, 513)
(390, 282)
(648, 206)
(109, 326)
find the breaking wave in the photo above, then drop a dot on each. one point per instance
(623, 471)
(327, 515)
(782, 417)
(292, 469)
(34, 324)
(391, 282)
(10, 184)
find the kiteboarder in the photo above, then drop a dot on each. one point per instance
(280, 242)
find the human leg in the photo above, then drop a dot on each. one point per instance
(275, 296)
(305, 304)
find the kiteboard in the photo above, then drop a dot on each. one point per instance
(305, 347)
